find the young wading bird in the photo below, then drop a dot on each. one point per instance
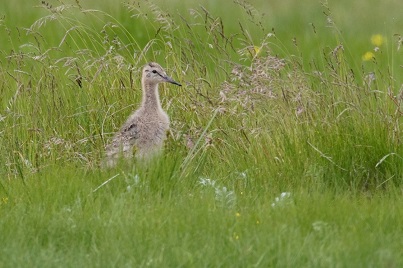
(144, 132)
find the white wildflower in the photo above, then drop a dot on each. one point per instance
(223, 196)
(283, 200)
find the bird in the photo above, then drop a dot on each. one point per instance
(145, 130)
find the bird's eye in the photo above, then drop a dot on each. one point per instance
(154, 71)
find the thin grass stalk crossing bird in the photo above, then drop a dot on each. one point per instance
(144, 132)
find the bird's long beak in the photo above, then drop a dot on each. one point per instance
(170, 80)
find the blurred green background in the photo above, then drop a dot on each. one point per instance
(356, 20)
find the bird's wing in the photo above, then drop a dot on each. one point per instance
(125, 139)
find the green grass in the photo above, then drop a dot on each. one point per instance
(296, 158)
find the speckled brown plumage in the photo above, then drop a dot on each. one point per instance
(144, 131)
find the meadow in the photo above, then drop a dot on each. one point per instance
(284, 148)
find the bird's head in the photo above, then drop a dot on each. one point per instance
(153, 73)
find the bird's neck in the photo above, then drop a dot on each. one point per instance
(151, 100)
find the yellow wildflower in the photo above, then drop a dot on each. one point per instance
(238, 214)
(255, 50)
(368, 56)
(377, 40)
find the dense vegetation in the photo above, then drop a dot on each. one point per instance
(285, 143)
